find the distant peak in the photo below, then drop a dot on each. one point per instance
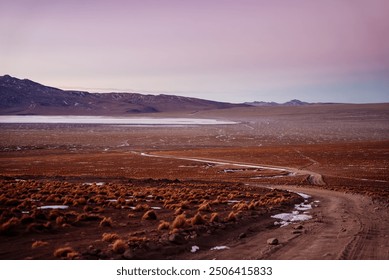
(6, 76)
(293, 102)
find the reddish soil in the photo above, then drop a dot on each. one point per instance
(338, 154)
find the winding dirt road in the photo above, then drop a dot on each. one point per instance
(344, 226)
(314, 178)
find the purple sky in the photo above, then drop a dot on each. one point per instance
(273, 50)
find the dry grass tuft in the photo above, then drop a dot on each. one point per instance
(179, 221)
(119, 246)
(214, 217)
(106, 222)
(137, 239)
(205, 207)
(178, 211)
(197, 220)
(241, 206)
(110, 237)
(231, 217)
(65, 252)
(150, 215)
(10, 225)
(38, 243)
(141, 207)
(163, 225)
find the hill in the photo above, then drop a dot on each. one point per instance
(26, 97)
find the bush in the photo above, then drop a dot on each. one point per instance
(119, 246)
(38, 243)
(179, 221)
(110, 237)
(64, 252)
(163, 225)
(106, 222)
(214, 217)
(197, 220)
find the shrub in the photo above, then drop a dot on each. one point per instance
(10, 225)
(64, 252)
(179, 221)
(214, 217)
(38, 243)
(110, 237)
(119, 246)
(197, 220)
(241, 206)
(205, 207)
(163, 225)
(231, 217)
(106, 222)
(141, 207)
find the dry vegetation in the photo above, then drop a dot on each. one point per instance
(116, 216)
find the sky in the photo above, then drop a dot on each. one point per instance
(235, 51)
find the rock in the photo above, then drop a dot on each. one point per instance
(176, 238)
(242, 235)
(128, 254)
(272, 241)
(298, 227)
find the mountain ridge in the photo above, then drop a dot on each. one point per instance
(26, 97)
(293, 102)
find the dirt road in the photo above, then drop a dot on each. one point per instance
(313, 177)
(344, 226)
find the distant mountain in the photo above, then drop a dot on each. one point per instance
(25, 97)
(294, 102)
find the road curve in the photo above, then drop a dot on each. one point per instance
(344, 226)
(313, 177)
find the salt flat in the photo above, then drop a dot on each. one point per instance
(110, 120)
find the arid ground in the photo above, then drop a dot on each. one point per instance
(201, 191)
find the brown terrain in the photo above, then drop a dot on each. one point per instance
(157, 192)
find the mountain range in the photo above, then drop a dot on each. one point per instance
(26, 97)
(293, 102)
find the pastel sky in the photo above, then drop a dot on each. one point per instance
(236, 51)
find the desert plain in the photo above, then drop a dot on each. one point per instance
(284, 182)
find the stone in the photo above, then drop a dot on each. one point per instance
(176, 238)
(272, 241)
(128, 254)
